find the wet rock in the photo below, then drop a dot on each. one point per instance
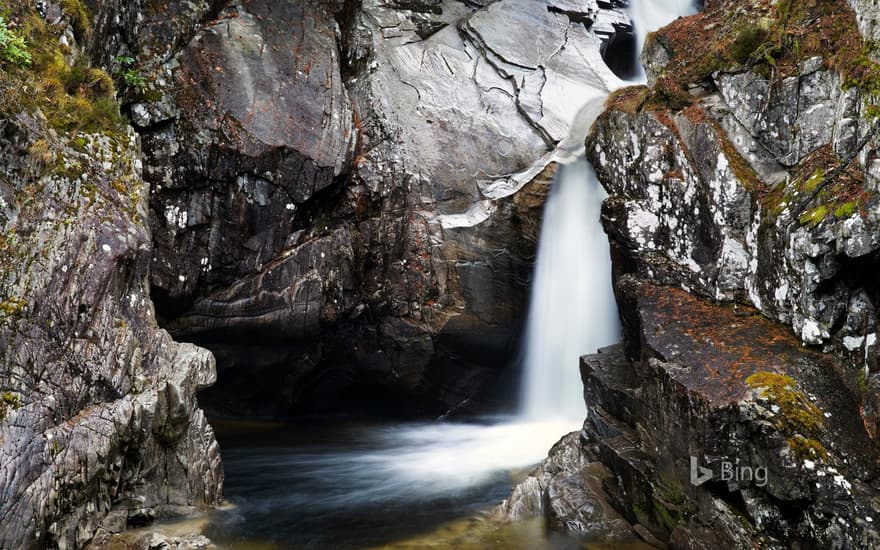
(567, 489)
(150, 541)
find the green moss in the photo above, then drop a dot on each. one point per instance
(813, 181)
(77, 98)
(12, 307)
(8, 401)
(796, 413)
(629, 99)
(87, 81)
(747, 41)
(120, 187)
(641, 514)
(667, 518)
(863, 381)
(79, 17)
(845, 210)
(814, 216)
(669, 94)
(805, 448)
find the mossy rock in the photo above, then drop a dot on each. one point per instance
(72, 98)
(8, 401)
(796, 413)
(79, 16)
(814, 216)
(805, 448)
(845, 210)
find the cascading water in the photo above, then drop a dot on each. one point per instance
(650, 15)
(572, 310)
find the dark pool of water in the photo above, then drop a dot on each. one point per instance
(368, 486)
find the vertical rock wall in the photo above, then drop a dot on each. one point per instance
(343, 186)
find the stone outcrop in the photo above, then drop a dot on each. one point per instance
(100, 413)
(360, 195)
(99, 422)
(742, 214)
(722, 388)
(760, 192)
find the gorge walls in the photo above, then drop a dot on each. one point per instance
(358, 201)
(99, 422)
(339, 199)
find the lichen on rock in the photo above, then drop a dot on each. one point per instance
(99, 405)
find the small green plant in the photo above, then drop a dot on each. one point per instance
(8, 401)
(13, 48)
(747, 43)
(125, 69)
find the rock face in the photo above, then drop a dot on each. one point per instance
(775, 207)
(99, 410)
(868, 15)
(344, 195)
(99, 421)
(742, 214)
(722, 388)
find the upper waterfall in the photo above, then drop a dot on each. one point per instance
(650, 15)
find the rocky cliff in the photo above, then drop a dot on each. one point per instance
(99, 424)
(359, 198)
(742, 214)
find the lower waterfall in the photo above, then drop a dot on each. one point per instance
(572, 311)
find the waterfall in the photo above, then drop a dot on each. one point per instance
(650, 15)
(572, 311)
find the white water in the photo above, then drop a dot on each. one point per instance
(650, 15)
(572, 310)
(362, 486)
